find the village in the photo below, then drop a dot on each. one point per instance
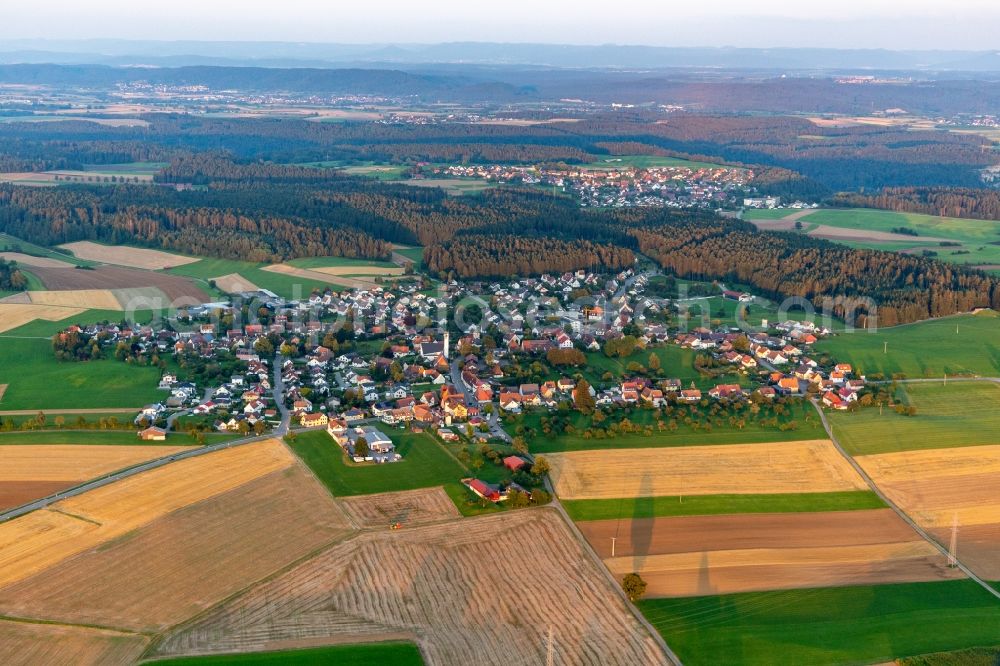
(677, 186)
(463, 363)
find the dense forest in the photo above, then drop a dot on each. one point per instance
(822, 157)
(507, 256)
(980, 204)
(11, 277)
(903, 288)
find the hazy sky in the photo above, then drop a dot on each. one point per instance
(966, 24)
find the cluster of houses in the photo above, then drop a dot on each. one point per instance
(677, 186)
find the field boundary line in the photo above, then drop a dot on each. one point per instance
(609, 577)
(158, 638)
(895, 507)
(79, 625)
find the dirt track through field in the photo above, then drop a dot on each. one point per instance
(780, 467)
(121, 255)
(480, 590)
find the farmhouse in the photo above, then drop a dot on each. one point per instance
(153, 434)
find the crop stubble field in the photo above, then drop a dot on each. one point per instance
(25, 644)
(15, 315)
(174, 287)
(939, 487)
(121, 255)
(807, 466)
(408, 507)
(29, 472)
(476, 590)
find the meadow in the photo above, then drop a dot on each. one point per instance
(953, 415)
(978, 240)
(705, 505)
(962, 345)
(404, 654)
(861, 624)
(807, 427)
(425, 464)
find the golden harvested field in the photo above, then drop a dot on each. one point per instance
(13, 315)
(722, 554)
(411, 507)
(24, 644)
(785, 467)
(234, 283)
(121, 255)
(30, 472)
(457, 589)
(29, 260)
(937, 487)
(90, 299)
(44, 538)
(316, 276)
(359, 270)
(67, 462)
(181, 564)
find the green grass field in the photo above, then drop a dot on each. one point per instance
(809, 427)
(286, 286)
(425, 464)
(704, 505)
(847, 625)
(675, 361)
(962, 345)
(959, 414)
(979, 240)
(403, 654)
(415, 254)
(10, 243)
(36, 380)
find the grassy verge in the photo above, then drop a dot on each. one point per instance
(404, 654)
(862, 624)
(703, 505)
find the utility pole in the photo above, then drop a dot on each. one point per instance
(885, 347)
(613, 539)
(953, 549)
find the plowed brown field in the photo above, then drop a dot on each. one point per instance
(721, 554)
(175, 287)
(478, 590)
